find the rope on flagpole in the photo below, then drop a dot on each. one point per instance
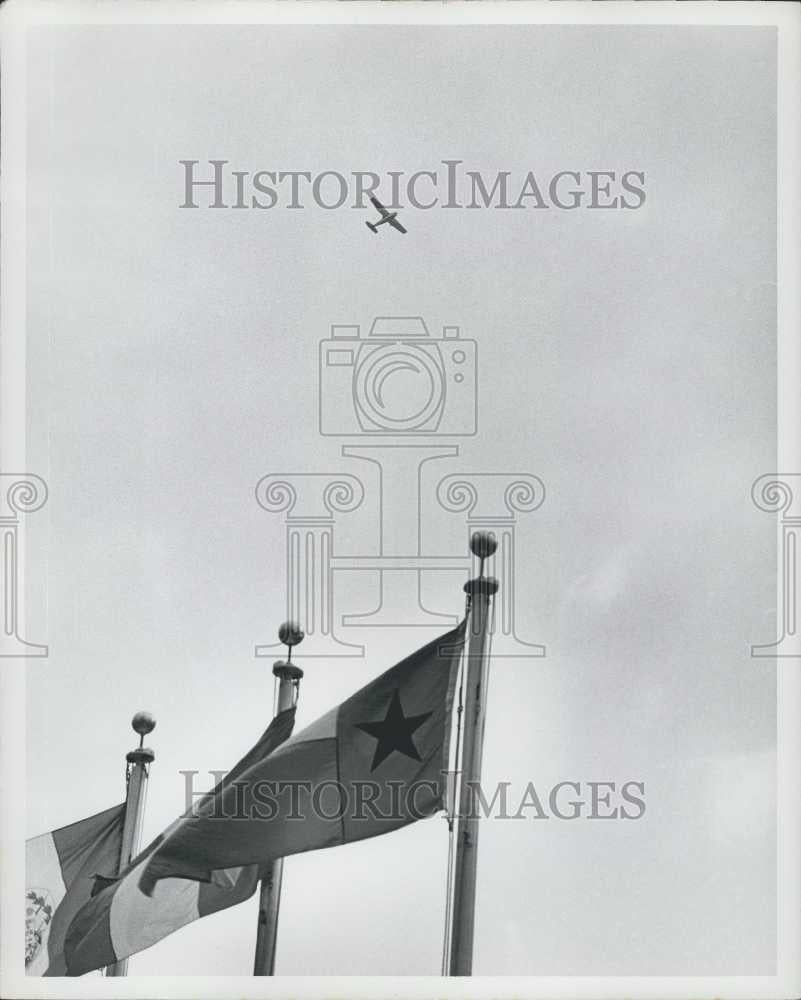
(450, 812)
(487, 672)
(448, 891)
(138, 842)
(450, 818)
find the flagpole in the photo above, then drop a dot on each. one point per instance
(480, 591)
(136, 775)
(289, 676)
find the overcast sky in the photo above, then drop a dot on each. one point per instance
(627, 358)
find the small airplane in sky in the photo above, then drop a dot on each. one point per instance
(390, 217)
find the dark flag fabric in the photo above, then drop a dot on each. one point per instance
(373, 764)
(120, 920)
(60, 870)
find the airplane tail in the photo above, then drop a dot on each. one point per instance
(371, 226)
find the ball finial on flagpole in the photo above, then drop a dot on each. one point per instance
(290, 633)
(483, 544)
(143, 723)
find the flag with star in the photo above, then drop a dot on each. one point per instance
(371, 765)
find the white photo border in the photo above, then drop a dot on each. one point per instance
(16, 20)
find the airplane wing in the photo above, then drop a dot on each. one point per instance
(379, 206)
(396, 225)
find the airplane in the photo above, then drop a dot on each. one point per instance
(390, 217)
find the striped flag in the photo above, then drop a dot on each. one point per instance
(60, 869)
(120, 920)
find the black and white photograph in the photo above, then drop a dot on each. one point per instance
(400, 500)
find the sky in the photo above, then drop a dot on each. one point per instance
(626, 358)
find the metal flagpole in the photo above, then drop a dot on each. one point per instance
(480, 591)
(136, 775)
(289, 677)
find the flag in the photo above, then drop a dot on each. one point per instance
(374, 763)
(120, 920)
(60, 869)
(384, 750)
